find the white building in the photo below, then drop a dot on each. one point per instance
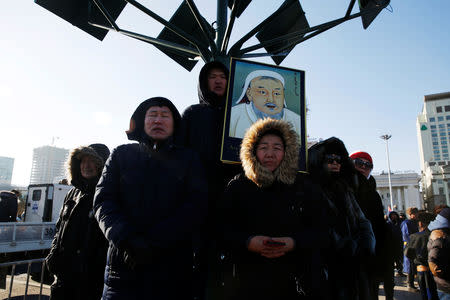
(433, 133)
(48, 164)
(6, 170)
(405, 190)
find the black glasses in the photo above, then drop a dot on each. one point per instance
(363, 164)
(330, 158)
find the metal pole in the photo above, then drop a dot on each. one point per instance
(221, 21)
(386, 137)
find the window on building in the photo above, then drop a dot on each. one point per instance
(445, 156)
(432, 119)
(444, 150)
(436, 151)
(435, 143)
(441, 125)
(439, 109)
(442, 133)
(436, 158)
(434, 134)
(447, 117)
(441, 191)
(447, 108)
(433, 126)
(440, 119)
(435, 139)
(439, 181)
(444, 142)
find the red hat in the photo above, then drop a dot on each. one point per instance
(361, 154)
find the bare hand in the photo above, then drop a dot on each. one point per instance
(258, 244)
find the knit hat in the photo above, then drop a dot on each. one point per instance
(102, 151)
(361, 154)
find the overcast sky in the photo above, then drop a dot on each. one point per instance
(59, 84)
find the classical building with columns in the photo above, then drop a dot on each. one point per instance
(433, 134)
(405, 190)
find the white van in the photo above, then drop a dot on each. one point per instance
(44, 202)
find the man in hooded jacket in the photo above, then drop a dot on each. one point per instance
(150, 202)
(202, 131)
(78, 253)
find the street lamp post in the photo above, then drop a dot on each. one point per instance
(386, 137)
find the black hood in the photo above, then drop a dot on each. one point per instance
(136, 131)
(205, 96)
(316, 159)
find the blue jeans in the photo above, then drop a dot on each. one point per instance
(443, 296)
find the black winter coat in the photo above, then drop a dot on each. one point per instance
(78, 253)
(439, 258)
(8, 206)
(279, 210)
(370, 202)
(158, 197)
(202, 129)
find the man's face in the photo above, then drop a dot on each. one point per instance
(88, 167)
(363, 166)
(267, 95)
(217, 82)
(158, 123)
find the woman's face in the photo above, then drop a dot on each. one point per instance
(333, 162)
(270, 151)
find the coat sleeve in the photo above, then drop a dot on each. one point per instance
(230, 220)
(405, 231)
(439, 254)
(52, 258)
(187, 218)
(366, 238)
(112, 221)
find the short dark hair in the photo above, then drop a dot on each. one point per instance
(425, 217)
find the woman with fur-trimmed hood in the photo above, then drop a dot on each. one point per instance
(269, 218)
(351, 233)
(78, 254)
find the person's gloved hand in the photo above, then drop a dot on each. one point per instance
(137, 251)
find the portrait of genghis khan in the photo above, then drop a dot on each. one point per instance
(258, 91)
(263, 95)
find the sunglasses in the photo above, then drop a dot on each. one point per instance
(363, 164)
(330, 158)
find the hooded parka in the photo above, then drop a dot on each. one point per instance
(202, 129)
(78, 253)
(150, 202)
(276, 204)
(351, 233)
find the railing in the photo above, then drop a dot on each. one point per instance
(18, 236)
(13, 270)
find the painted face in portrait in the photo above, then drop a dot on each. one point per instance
(270, 151)
(88, 167)
(158, 123)
(267, 94)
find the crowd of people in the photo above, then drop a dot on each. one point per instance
(164, 218)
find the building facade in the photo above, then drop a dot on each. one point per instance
(405, 190)
(48, 164)
(433, 134)
(6, 170)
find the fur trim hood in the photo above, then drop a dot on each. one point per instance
(253, 169)
(316, 160)
(99, 152)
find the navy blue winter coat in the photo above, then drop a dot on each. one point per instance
(160, 197)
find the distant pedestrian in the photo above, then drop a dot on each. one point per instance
(78, 254)
(409, 226)
(397, 242)
(439, 252)
(416, 251)
(8, 206)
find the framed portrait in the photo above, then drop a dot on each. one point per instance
(256, 91)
